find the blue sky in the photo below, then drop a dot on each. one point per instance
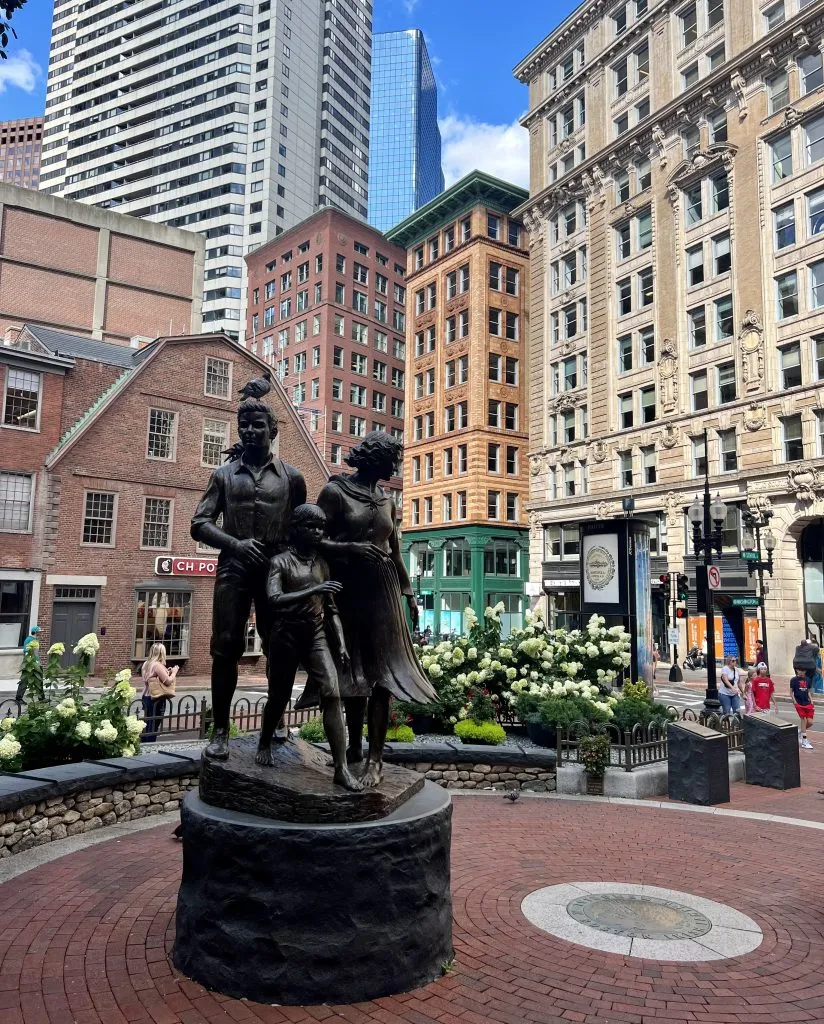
(474, 44)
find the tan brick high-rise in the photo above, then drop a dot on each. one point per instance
(465, 482)
(676, 227)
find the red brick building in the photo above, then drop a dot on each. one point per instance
(326, 307)
(94, 272)
(104, 453)
(20, 148)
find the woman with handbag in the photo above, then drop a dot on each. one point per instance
(158, 687)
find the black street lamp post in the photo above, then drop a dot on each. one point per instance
(754, 523)
(709, 514)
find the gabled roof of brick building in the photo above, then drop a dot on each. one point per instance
(61, 343)
(140, 358)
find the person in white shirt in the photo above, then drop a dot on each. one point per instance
(729, 689)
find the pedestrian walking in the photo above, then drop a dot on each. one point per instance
(158, 688)
(33, 637)
(800, 685)
(729, 691)
(763, 689)
(749, 697)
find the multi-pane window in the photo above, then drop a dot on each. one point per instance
(511, 507)
(812, 73)
(728, 450)
(774, 16)
(724, 325)
(646, 338)
(163, 613)
(649, 463)
(784, 218)
(647, 405)
(778, 91)
(511, 460)
(357, 426)
(162, 434)
(625, 469)
(646, 287)
(700, 395)
(786, 286)
(815, 209)
(817, 285)
(782, 157)
(721, 255)
(16, 490)
(624, 297)
(493, 226)
(98, 518)
(625, 349)
(157, 519)
(699, 456)
(695, 266)
(215, 439)
(218, 377)
(22, 400)
(493, 458)
(357, 395)
(494, 321)
(689, 25)
(792, 438)
(626, 411)
(493, 504)
(447, 508)
(726, 383)
(814, 140)
(790, 361)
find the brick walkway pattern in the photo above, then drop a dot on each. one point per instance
(85, 939)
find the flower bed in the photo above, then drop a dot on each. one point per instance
(58, 727)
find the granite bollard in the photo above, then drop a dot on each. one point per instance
(698, 764)
(771, 753)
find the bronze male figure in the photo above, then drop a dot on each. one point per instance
(254, 493)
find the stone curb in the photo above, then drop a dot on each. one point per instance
(21, 788)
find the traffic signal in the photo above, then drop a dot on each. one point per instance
(682, 614)
(683, 587)
(665, 586)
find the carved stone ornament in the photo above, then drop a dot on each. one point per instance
(738, 85)
(755, 417)
(791, 116)
(759, 503)
(605, 510)
(566, 402)
(673, 504)
(804, 482)
(670, 436)
(751, 344)
(534, 523)
(536, 464)
(598, 451)
(668, 375)
(630, 209)
(565, 145)
(660, 140)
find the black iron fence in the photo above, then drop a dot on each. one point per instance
(645, 744)
(190, 717)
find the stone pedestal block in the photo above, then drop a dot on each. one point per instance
(771, 753)
(291, 913)
(698, 769)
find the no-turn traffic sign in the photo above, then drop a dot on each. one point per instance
(714, 577)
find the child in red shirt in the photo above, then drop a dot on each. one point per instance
(763, 689)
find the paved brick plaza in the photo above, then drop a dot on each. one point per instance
(85, 938)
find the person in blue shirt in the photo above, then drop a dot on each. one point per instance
(31, 637)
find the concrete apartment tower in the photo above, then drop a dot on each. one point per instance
(676, 223)
(465, 467)
(405, 142)
(235, 120)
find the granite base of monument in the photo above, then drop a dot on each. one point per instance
(299, 786)
(302, 913)
(771, 753)
(698, 769)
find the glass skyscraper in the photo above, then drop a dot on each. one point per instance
(405, 142)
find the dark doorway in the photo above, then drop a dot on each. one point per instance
(70, 621)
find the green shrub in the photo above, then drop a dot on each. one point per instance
(566, 711)
(594, 753)
(400, 734)
(313, 731)
(638, 691)
(528, 707)
(631, 711)
(481, 707)
(480, 732)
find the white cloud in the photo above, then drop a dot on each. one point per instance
(19, 72)
(409, 5)
(499, 149)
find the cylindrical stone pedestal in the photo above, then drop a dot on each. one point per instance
(289, 913)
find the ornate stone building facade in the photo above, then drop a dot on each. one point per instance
(676, 225)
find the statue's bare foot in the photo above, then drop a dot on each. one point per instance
(264, 757)
(343, 777)
(354, 755)
(371, 778)
(218, 749)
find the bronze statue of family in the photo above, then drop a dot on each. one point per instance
(328, 585)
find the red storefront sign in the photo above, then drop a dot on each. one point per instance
(174, 565)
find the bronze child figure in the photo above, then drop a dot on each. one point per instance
(302, 601)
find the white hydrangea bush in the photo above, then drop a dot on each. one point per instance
(58, 727)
